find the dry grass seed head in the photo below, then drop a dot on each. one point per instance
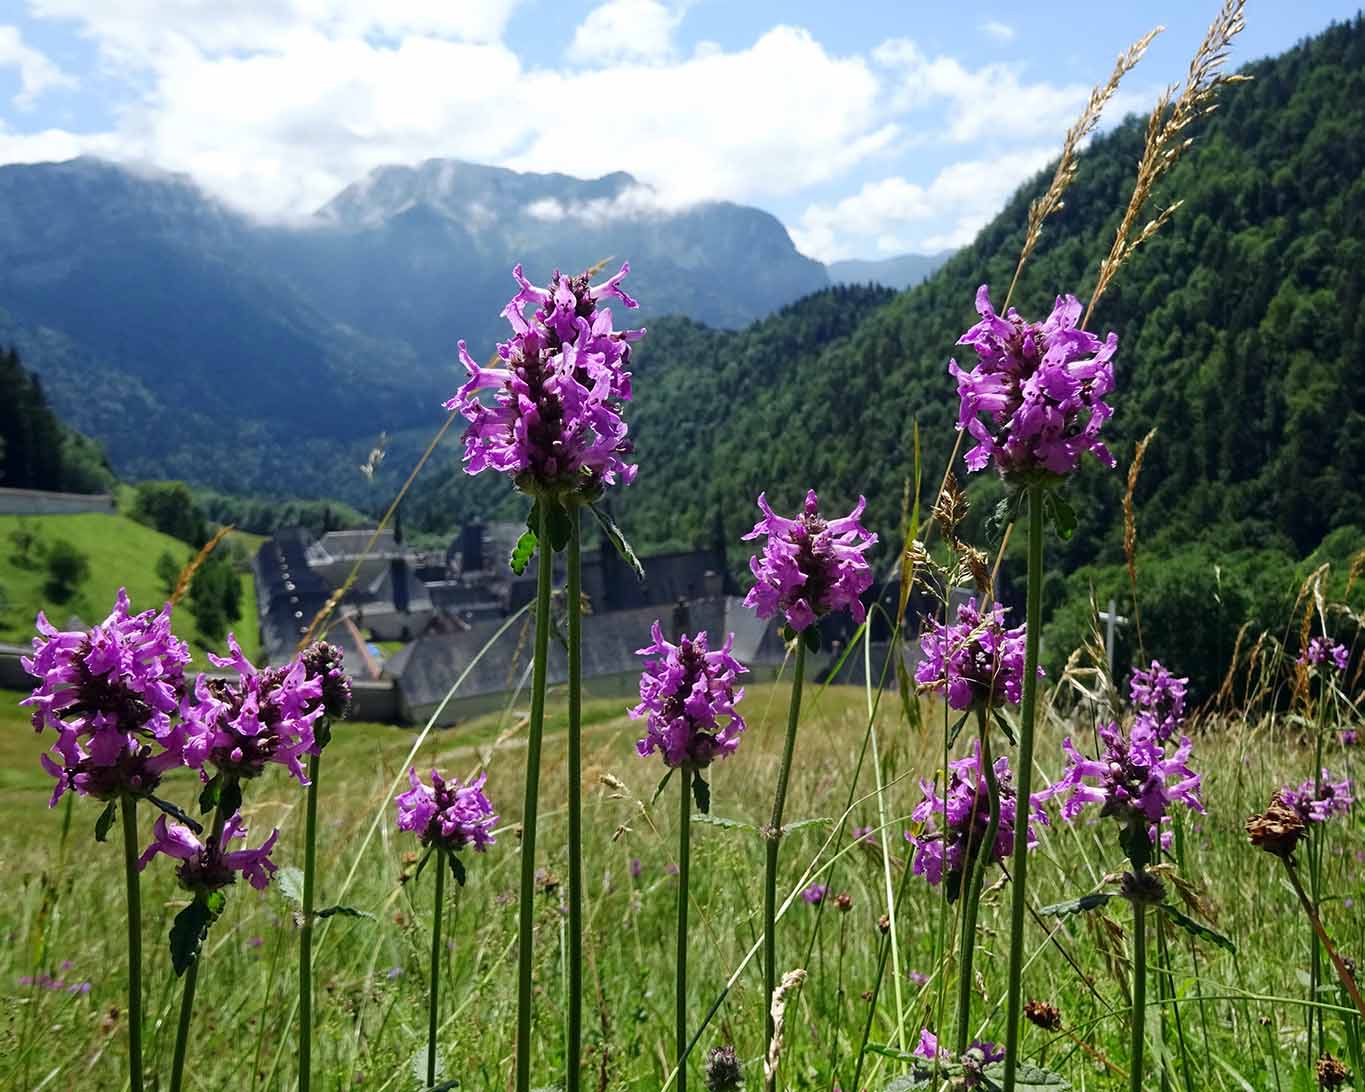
(182, 585)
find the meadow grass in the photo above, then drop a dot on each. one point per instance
(1241, 1016)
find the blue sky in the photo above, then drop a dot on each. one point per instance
(870, 128)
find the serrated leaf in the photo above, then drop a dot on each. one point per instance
(1027, 1078)
(618, 542)
(522, 553)
(176, 813)
(187, 934)
(1197, 928)
(208, 795)
(422, 863)
(345, 912)
(701, 793)
(105, 821)
(801, 824)
(290, 882)
(1062, 514)
(724, 824)
(659, 788)
(533, 518)
(1082, 905)
(810, 637)
(456, 868)
(230, 798)
(216, 901)
(560, 527)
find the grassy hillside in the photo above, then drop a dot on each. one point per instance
(122, 553)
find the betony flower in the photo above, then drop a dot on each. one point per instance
(447, 813)
(688, 699)
(1135, 777)
(111, 695)
(959, 817)
(976, 660)
(1322, 651)
(555, 423)
(324, 662)
(209, 865)
(265, 716)
(928, 1048)
(1035, 400)
(810, 566)
(1159, 698)
(1314, 806)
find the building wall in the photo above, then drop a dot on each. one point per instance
(38, 502)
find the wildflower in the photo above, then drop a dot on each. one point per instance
(555, 424)
(110, 695)
(209, 866)
(928, 1047)
(866, 835)
(809, 566)
(815, 894)
(670, 869)
(323, 661)
(635, 868)
(447, 814)
(976, 660)
(1040, 1013)
(688, 698)
(1134, 777)
(962, 815)
(1332, 1072)
(722, 1070)
(843, 902)
(1349, 737)
(1159, 698)
(1323, 650)
(919, 978)
(265, 716)
(1317, 806)
(1034, 402)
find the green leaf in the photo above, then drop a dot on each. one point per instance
(345, 912)
(659, 789)
(1027, 1078)
(560, 528)
(801, 824)
(208, 795)
(322, 732)
(910, 1082)
(618, 541)
(701, 793)
(175, 813)
(1063, 515)
(216, 901)
(1137, 845)
(1197, 928)
(956, 728)
(788, 634)
(230, 798)
(522, 553)
(105, 821)
(724, 824)
(810, 637)
(1078, 906)
(290, 882)
(456, 868)
(422, 863)
(187, 934)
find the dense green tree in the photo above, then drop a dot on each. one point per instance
(36, 450)
(67, 568)
(169, 507)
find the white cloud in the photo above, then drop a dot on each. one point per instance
(625, 30)
(632, 203)
(1001, 32)
(895, 216)
(36, 73)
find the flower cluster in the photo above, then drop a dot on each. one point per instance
(979, 1054)
(265, 716)
(809, 565)
(324, 662)
(1034, 402)
(1315, 805)
(977, 661)
(555, 423)
(688, 698)
(1323, 650)
(209, 865)
(954, 825)
(447, 814)
(1135, 777)
(110, 695)
(1159, 698)
(815, 893)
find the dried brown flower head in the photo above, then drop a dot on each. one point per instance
(884, 924)
(1332, 1072)
(843, 902)
(722, 1070)
(1048, 1017)
(1142, 886)
(1278, 829)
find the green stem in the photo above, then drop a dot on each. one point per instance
(433, 1006)
(573, 592)
(1139, 994)
(130, 856)
(1315, 883)
(684, 853)
(310, 837)
(526, 919)
(972, 895)
(1024, 781)
(774, 835)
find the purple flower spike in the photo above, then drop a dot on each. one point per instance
(688, 699)
(1034, 401)
(1318, 807)
(324, 662)
(209, 866)
(810, 566)
(447, 814)
(815, 893)
(1323, 650)
(554, 424)
(1134, 777)
(977, 661)
(1159, 698)
(963, 814)
(265, 716)
(110, 695)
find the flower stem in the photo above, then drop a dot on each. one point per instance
(1343, 972)
(573, 593)
(432, 1002)
(130, 855)
(774, 835)
(684, 853)
(972, 895)
(306, 928)
(1024, 781)
(1139, 1017)
(526, 920)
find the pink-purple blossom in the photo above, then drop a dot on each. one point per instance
(688, 699)
(554, 424)
(1035, 400)
(1159, 698)
(1322, 651)
(976, 660)
(447, 813)
(954, 824)
(111, 695)
(325, 662)
(815, 893)
(1317, 805)
(1134, 777)
(809, 566)
(209, 865)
